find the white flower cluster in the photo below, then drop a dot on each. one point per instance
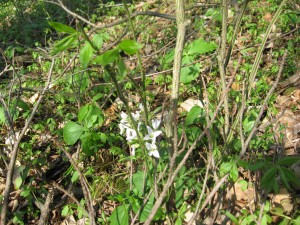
(131, 134)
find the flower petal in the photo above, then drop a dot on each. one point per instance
(154, 153)
(156, 123)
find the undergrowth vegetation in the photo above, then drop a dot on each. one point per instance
(149, 112)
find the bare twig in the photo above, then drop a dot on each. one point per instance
(45, 209)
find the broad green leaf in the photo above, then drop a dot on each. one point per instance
(103, 137)
(64, 43)
(86, 54)
(107, 57)
(130, 46)
(146, 211)
(90, 115)
(86, 144)
(225, 168)
(193, 114)
(120, 216)
(244, 185)
(138, 182)
(248, 124)
(18, 182)
(191, 72)
(297, 220)
(98, 40)
(264, 220)
(72, 132)
(62, 27)
(25, 193)
(234, 173)
(200, 46)
(65, 211)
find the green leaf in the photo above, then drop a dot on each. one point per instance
(284, 179)
(268, 180)
(72, 132)
(120, 216)
(193, 114)
(2, 116)
(225, 168)
(18, 182)
(86, 143)
(86, 54)
(200, 47)
(98, 40)
(189, 73)
(291, 177)
(25, 193)
(297, 221)
(62, 27)
(107, 57)
(90, 115)
(234, 173)
(258, 165)
(248, 124)
(65, 211)
(244, 185)
(146, 211)
(130, 46)
(232, 218)
(64, 43)
(75, 176)
(138, 182)
(288, 161)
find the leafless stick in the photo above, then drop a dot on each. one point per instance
(14, 154)
(221, 63)
(45, 209)
(58, 187)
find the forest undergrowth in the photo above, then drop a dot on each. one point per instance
(149, 112)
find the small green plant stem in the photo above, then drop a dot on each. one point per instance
(265, 102)
(262, 46)
(221, 64)
(236, 30)
(124, 100)
(144, 93)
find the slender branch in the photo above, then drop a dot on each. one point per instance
(221, 64)
(262, 47)
(14, 154)
(181, 30)
(84, 185)
(45, 209)
(255, 127)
